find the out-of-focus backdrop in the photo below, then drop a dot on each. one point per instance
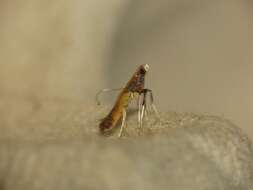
(199, 52)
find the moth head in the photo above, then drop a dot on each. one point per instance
(146, 67)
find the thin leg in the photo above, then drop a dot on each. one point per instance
(143, 107)
(140, 100)
(142, 114)
(123, 123)
(139, 109)
(146, 112)
(155, 110)
(152, 102)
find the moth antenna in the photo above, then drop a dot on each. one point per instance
(104, 90)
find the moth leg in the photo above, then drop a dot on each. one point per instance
(142, 114)
(123, 123)
(143, 107)
(139, 109)
(153, 106)
(146, 113)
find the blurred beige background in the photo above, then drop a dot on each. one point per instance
(199, 51)
(55, 48)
